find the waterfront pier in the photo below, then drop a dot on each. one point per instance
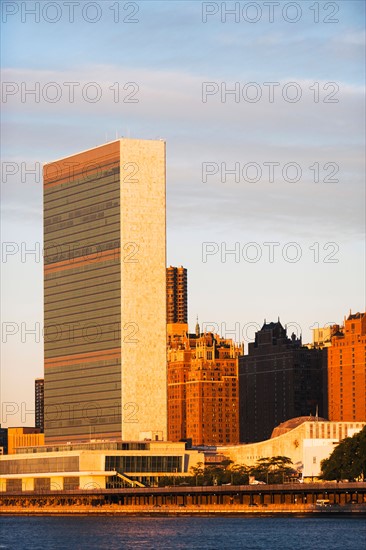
(295, 498)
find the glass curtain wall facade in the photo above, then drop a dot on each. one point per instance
(104, 293)
(141, 464)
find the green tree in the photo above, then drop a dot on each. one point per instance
(272, 469)
(214, 475)
(348, 460)
(197, 474)
(217, 474)
(239, 474)
(226, 463)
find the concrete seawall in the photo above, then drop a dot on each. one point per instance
(231, 510)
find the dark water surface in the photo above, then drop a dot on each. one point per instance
(110, 533)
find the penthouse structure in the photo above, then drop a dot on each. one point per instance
(105, 294)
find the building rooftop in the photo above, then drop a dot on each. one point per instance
(355, 316)
(292, 423)
(121, 138)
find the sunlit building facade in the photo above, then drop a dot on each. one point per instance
(105, 293)
(347, 370)
(99, 465)
(306, 441)
(203, 395)
(22, 437)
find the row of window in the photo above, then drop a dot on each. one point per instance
(128, 464)
(40, 465)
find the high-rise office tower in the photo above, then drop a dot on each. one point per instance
(279, 379)
(39, 403)
(176, 295)
(347, 370)
(105, 293)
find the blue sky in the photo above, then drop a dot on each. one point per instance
(169, 53)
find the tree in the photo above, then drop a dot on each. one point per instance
(217, 474)
(348, 460)
(239, 474)
(272, 469)
(226, 463)
(197, 472)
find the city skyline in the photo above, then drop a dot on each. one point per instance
(238, 237)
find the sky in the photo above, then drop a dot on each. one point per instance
(261, 105)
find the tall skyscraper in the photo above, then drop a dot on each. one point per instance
(347, 370)
(279, 379)
(176, 295)
(105, 293)
(39, 403)
(203, 396)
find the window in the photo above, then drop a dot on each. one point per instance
(42, 484)
(71, 483)
(14, 485)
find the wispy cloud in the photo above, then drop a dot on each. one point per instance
(170, 106)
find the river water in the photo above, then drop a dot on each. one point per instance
(210, 533)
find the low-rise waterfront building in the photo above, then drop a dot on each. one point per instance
(95, 465)
(305, 440)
